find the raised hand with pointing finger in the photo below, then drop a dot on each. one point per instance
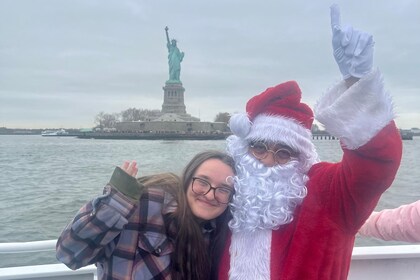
(310, 235)
(353, 49)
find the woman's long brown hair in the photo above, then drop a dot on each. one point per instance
(191, 250)
(192, 259)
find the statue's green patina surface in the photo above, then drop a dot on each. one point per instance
(175, 57)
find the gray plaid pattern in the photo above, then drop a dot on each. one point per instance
(126, 239)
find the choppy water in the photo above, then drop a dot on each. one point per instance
(45, 180)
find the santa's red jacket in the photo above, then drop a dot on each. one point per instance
(318, 243)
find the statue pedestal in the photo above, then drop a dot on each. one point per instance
(173, 98)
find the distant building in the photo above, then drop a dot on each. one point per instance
(415, 131)
(173, 117)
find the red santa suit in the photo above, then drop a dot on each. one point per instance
(318, 242)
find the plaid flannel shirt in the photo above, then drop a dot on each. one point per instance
(127, 239)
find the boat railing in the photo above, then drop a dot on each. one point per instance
(379, 262)
(45, 271)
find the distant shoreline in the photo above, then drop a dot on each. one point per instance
(121, 135)
(154, 135)
(150, 135)
(33, 131)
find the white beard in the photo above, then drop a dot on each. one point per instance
(265, 199)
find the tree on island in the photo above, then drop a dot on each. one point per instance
(134, 114)
(222, 117)
(105, 120)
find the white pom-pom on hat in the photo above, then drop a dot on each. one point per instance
(240, 125)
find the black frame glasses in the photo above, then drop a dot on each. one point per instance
(281, 156)
(201, 186)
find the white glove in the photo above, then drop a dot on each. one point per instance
(353, 49)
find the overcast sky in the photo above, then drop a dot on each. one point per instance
(64, 61)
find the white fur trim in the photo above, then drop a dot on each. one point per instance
(282, 130)
(250, 255)
(356, 114)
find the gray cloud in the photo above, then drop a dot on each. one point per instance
(62, 61)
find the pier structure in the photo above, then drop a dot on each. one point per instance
(406, 134)
(323, 136)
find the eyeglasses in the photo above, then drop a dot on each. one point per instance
(202, 187)
(260, 151)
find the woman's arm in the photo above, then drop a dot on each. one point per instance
(93, 233)
(400, 224)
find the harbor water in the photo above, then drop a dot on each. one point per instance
(45, 180)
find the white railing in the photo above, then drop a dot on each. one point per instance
(27, 247)
(385, 263)
(386, 252)
(53, 271)
(376, 262)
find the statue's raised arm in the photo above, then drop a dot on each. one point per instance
(174, 59)
(167, 35)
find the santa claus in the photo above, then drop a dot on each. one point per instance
(295, 217)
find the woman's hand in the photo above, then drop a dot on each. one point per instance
(130, 167)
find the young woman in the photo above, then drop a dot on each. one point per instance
(154, 227)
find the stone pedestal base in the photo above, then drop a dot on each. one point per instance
(173, 98)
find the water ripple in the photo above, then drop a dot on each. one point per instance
(44, 181)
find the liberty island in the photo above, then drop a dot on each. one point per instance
(173, 122)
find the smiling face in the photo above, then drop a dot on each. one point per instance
(217, 173)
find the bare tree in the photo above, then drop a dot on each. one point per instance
(134, 114)
(130, 115)
(104, 120)
(222, 117)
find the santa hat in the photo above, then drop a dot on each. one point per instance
(276, 115)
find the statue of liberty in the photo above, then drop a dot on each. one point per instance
(174, 59)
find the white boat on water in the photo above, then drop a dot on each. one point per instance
(59, 132)
(374, 262)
